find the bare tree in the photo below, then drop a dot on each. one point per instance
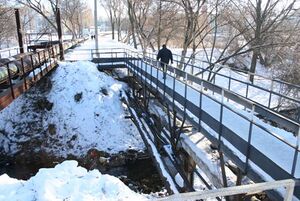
(262, 20)
(7, 23)
(115, 11)
(72, 11)
(192, 28)
(40, 6)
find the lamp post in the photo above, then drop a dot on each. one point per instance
(96, 25)
(19, 30)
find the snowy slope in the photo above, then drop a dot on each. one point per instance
(86, 113)
(66, 181)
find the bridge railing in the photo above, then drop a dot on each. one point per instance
(8, 52)
(236, 190)
(242, 137)
(198, 66)
(274, 97)
(245, 139)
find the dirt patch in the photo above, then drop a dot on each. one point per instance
(104, 91)
(78, 97)
(43, 104)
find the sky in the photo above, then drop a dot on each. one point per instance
(101, 10)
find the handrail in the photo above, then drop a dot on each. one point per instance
(289, 184)
(200, 81)
(232, 69)
(271, 93)
(235, 111)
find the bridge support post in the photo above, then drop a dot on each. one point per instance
(189, 166)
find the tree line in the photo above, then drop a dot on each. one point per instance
(39, 16)
(239, 33)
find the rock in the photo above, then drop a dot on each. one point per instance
(213, 146)
(104, 91)
(42, 104)
(78, 97)
(52, 129)
(103, 160)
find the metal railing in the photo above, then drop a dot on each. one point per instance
(26, 66)
(288, 184)
(18, 73)
(247, 150)
(244, 146)
(8, 52)
(273, 91)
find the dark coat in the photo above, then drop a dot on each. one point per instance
(165, 55)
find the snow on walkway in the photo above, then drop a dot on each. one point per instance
(87, 113)
(66, 181)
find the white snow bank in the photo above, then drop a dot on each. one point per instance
(96, 120)
(66, 181)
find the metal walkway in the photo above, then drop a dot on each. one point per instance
(205, 106)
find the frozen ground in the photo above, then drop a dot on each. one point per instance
(66, 181)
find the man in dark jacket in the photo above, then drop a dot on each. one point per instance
(164, 55)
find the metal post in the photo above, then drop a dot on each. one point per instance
(32, 67)
(44, 51)
(59, 32)
(173, 93)
(270, 96)
(23, 71)
(96, 25)
(156, 79)
(296, 153)
(249, 139)
(40, 63)
(19, 30)
(10, 82)
(200, 107)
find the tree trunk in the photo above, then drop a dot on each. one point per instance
(132, 27)
(159, 27)
(113, 30)
(253, 65)
(257, 44)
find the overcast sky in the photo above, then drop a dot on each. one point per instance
(101, 11)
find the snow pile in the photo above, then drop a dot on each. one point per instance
(66, 181)
(85, 112)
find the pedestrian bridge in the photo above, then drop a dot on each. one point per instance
(258, 139)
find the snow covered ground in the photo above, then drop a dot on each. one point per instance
(66, 181)
(75, 110)
(86, 113)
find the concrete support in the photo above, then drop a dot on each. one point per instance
(189, 166)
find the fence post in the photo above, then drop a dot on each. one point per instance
(10, 82)
(249, 139)
(270, 96)
(296, 153)
(23, 71)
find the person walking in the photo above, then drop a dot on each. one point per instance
(165, 56)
